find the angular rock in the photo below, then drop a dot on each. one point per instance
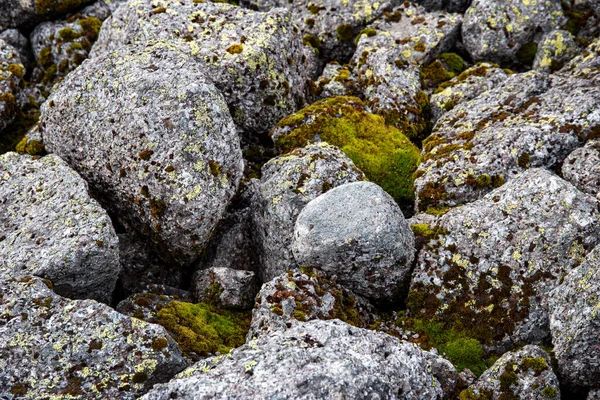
(12, 71)
(554, 50)
(508, 31)
(582, 168)
(357, 234)
(317, 364)
(288, 183)
(466, 86)
(55, 347)
(226, 288)
(490, 264)
(51, 227)
(530, 120)
(574, 323)
(523, 374)
(256, 59)
(159, 149)
(299, 296)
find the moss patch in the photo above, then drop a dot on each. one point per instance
(383, 153)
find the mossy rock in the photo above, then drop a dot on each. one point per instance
(382, 152)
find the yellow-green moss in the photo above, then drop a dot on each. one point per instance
(16, 69)
(549, 392)
(235, 48)
(453, 61)
(370, 32)
(537, 364)
(345, 33)
(203, 329)
(31, 147)
(383, 153)
(91, 27)
(45, 57)
(312, 41)
(67, 34)
(56, 7)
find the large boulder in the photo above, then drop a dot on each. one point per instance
(574, 323)
(357, 234)
(490, 264)
(61, 348)
(289, 183)
(51, 227)
(507, 31)
(582, 168)
(256, 59)
(312, 361)
(158, 149)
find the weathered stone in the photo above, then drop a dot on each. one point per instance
(226, 287)
(60, 348)
(357, 234)
(305, 295)
(525, 374)
(26, 13)
(256, 59)
(159, 149)
(490, 264)
(288, 183)
(530, 120)
(508, 31)
(51, 227)
(317, 365)
(582, 168)
(466, 86)
(574, 323)
(15, 38)
(554, 50)
(336, 80)
(12, 72)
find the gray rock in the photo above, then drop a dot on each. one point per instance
(554, 50)
(256, 59)
(226, 287)
(530, 120)
(12, 71)
(594, 394)
(159, 149)
(51, 227)
(146, 304)
(15, 38)
(356, 234)
(507, 31)
(317, 364)
(525, 374)
(299, 296)
(466, 86)
(491, 263)
(582, 168)
(288, 183)
(26, 13)
(574, 323)
(61, 348)
(336, 80)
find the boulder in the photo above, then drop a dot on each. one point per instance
(26, 13)
(226, 288)
(12, 72)
(555, 50)
(357, 234)
(159, 150)
(582, 168)
(55, 347)
(51, 227)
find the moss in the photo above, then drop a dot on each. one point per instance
(67, 34)
(300, 315)
(159, 343)
(526, 53)
(453, 61)
(31, 147)
(537, 364)
(420, 47)
(549, 392)
(213, 293)
(312, 41)
(10, 103)
(466, 353)
(434, 74)
(56, 7)
(140, 377)
(524, 160)
(17, 70)
(157, 208)
(94, 344)
(45, 57)
(383, 153)
(369, 32)
(345, 33)
(214, 167)
(431, 194)
(577, 19)
(202, 329)
(91, 27)
(50, 75)
(19, 389)
(469, 394)
(314, 8)
(423, 230)
(235, 48)
(508, 378)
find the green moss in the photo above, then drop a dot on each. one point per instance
(17, 70)
(300, 316)
(524, 160)
(235, 48)
(345, 33)
(420, 47)
(526, 53)
(203, 329)
(56, 7)
(576, 19)
(31, 147)
(213, 293)
(140, 377)
(469, 394)
(214, 167)
(19, 389)
(312, 41)
(549, 392)
(369, 32)
(434, 74)
(50, 74)
(453, 61)
(45, 57)
(67, 34)
(383, 153)
(537, 364)
(159, 343)
(10, 103)
(91, 27)
(508, 378)
(466, 353)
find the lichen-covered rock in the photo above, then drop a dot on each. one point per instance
(444, 68)
(26, 13)
(525, 374)
(51, 227)
(159, 149)
(357, 234)
(12, 72)
(387, 57)
(256, 59)
(16, 39)
(382, 152)
(299, 296)
(490, 264)
(582, 168)
(61, 348)
(466, 86)
(554, 50)
(317, 365)
(288, 183)
(226, 287)
(530, 120)
(336, 80)
(574, 323)
(508, 31)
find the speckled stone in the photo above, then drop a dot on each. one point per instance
(582, 168)
(51, 227)
(311, 361)
(226, 287)
(492, 262)
(158, 149)
(525, 374)
(12, 72)
(26, 13)
(53, 347)
(554, 50)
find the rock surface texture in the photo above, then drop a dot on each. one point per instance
(226, 287)
(582, 168)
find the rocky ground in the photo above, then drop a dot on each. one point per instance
(323, 199)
